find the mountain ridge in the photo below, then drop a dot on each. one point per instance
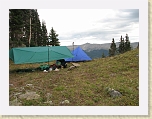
(89, 47)
(96, 50)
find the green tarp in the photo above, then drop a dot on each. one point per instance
(38, 54)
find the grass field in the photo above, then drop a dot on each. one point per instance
(82, 86)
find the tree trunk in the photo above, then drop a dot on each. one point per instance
(30, 30)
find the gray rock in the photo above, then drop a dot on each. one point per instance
(48, 96)
(71, 67)
(11, 84)
(29, 96)
(16, 94)
(28, 85)
(14, 103)
(65, 102)
(49, 102)
(113, 93)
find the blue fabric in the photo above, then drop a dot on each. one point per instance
(79, 55)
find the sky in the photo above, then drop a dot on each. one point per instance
(95, 26)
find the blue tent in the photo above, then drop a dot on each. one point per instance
(79, 55)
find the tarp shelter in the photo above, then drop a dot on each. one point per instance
(38, 54)
(79, 55)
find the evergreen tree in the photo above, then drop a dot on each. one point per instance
(16, 24)
(39, 33)
(44, 34)
(35, 29)
(53, 40)
(121, 45)
(112, 49)
(103, 55)
(26, 28)
(127, 43)
(138, 45)
(21, 32)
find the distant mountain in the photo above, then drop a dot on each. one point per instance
(97, 53)
(89, 47)
(96, 50)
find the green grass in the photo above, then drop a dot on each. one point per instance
(84, 85)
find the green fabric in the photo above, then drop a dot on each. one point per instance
(44, 67)
(39, 54)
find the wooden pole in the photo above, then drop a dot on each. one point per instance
(48, 55)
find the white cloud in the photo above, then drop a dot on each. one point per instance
(91, 25)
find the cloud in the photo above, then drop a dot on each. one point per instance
(94, 25)
(132, 13)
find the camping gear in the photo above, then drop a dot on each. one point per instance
(38, 54)
(76, 64)
(53, 66)
(61, 63)
(50, 69)
(44, 67)
(79, 55)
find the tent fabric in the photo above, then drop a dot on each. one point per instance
(79, 55)
(38, 54)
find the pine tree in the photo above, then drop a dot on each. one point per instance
(39, 33)
(16, 24)
(138, 45)
(21, 32)
(112, 49)
(121, 45)
(44, 34)
(103, 55)
(53, 40)
(35, 28)
(26, 28)
(127, 44)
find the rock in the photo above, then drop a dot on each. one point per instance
(49, 102)
(76, 64)
(29, 85)
(16, 94)
(65, 102)
(11, 84)
(71, 67)
(14, 103)
(29, 96)
(113, 93)
(48, 96)
(21, 89)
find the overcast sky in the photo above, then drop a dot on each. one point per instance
(96, 26)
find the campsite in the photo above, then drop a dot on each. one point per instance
(44, 71)
(84, 85)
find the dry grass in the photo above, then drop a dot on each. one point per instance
(83, 86)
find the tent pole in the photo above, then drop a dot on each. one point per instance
(73, 49)
(48, 55)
